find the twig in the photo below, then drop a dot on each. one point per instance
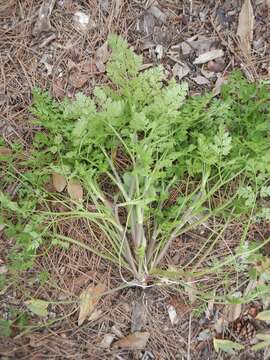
(189, 337)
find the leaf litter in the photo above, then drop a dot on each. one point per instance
(75, 190)
(59, 182)
(135, 341)
(245, 27)
(88, 300)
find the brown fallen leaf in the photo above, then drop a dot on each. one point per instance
(199, 44)
(217, 65)
(58, 87)
(180, 71)
(75, 190)
(221, 80)
(102, 53)
(88, 300)
(88, 66)
(201, 80)
(232, 312)
(4, 151)
(117, 8)
(208, 56)
(43, 23)
(83, 22)
(173, 315)
(59, 182)
(245, 27)
(77, 79)
(106, 341)
(135, 341)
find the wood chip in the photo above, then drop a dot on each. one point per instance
(208, 56)
(135, 341)
(245, 27)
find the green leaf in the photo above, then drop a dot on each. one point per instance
(264, 316)
(263, 344)
(227, 346)
(38, 307)
(5, 327)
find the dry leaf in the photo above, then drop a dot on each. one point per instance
(173, 315)
(102, 53)
(95, 315)
(58, 87)
(208, 56)
(201, 80)
(157, 13)
(135, 341)
(220, 325)
(191, 291)
(217, 65)
(89, 298)
(116, 331)
(3, 269)
(100, 66)
(232, 312)
(75, 190)
(59, 182)
(107, 340)
(180, 71)
(218, 85)
(82, 21)
(43, 22)
(4, 151)
(117, 7)
(88, 66)
(77, 80)
(138, 315)
(200, 44)
(264, 315)
(245, 27)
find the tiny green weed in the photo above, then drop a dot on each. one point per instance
(128, 145)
